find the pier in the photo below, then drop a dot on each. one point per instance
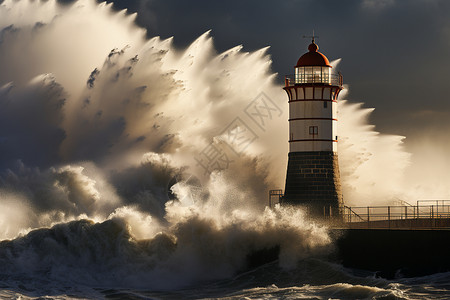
(425, 214)
(401, 240)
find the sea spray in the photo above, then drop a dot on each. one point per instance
(139, 117)
(372, 164)
(194, 246)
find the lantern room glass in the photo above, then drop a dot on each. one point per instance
(314, 74)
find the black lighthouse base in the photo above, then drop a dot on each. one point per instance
(312, 181)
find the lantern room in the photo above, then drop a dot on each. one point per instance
(314, 68)
(313, 75)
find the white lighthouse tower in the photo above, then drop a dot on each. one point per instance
(312, 178)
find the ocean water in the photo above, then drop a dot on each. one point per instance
(130, 169)
(83, 259)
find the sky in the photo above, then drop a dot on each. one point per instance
(395, 54)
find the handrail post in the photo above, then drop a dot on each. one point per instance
(348, 214)
(389, 217)
(351, 214)
(368, 216)
(433, 221)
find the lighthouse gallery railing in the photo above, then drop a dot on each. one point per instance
(333, 79)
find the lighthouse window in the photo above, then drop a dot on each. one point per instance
(308, 75)
(313, 130)
(317, 74)
(298, 75)
(313, 74)
(326, 74)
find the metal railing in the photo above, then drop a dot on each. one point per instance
(275, 197)
(425, 214)
(333, 79)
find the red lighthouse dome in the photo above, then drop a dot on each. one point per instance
(313, 58)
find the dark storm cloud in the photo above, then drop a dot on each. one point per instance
(395, 53)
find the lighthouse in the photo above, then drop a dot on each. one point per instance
(312, 178)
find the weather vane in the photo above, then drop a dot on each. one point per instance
(311, 36)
